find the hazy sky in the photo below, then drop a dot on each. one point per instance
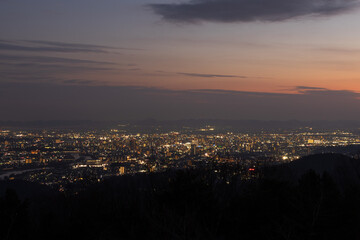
(169, 59)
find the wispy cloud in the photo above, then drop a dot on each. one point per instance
(306, 88)
(25, 68)
(205, 75)
(58, 47)
(21, 67)
(78, 81)
(32, 48)
(337, 50)
(79, 45)
(48, 59)
(250, 10)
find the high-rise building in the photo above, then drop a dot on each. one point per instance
(193, 149)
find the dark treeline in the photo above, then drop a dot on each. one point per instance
(187, 204)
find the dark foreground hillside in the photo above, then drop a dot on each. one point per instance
(184, 205)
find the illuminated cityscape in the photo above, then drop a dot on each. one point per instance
(59, 158)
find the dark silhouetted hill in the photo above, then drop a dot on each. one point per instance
(189, 204)
(343, 169)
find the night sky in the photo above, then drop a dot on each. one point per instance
(169, 59)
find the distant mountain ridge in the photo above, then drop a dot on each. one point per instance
(224, 124)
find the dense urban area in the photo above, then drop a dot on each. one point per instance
(63, 158)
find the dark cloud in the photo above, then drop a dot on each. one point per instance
(250, 10)
(204, 75)
(80, 100)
